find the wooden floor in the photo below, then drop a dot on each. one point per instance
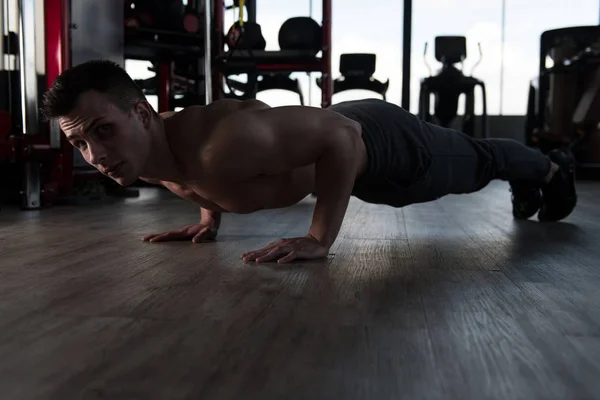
(446, 300)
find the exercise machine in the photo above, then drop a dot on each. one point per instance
(301, 40)
(173, 37)
(563, 109)
(37, 164)
(357, 71)
(449, 85)
(297, 33)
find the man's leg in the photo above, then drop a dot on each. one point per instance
(461, 164)
(411, 161)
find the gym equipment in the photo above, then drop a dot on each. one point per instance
(563, 107)
(300, 33)
(300, 40)
(258, 84)
(181, 53)
(192, 19)
(357, 71)
(156, 14)
(10, 100)
(449, 84)
(246, 36)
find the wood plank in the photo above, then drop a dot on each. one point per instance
(451, 300)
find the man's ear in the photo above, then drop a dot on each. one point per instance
(145, 112)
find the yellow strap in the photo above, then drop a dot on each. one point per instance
(242, 3)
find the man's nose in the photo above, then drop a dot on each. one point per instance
(97, 154)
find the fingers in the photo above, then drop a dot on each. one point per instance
(292, 255)
(201, 236)
(287, 250)
(282, 254)
(206, 234)
(252, 255)
(273, 254)
(163, 237)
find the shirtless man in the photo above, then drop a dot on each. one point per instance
(244, 156)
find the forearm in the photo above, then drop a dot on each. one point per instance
(335, 173)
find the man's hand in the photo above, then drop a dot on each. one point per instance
(197, 233)
(206, 230)
(286, 250)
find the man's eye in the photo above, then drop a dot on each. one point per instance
(103, 129)
(80, 144)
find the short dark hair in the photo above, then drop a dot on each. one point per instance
(102, 76)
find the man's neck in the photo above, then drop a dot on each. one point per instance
(162, 164)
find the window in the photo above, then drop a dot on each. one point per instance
(481, 22)
(525, 22)
(357, 27)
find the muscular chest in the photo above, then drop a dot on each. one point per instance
(270, 191)
(261, 192)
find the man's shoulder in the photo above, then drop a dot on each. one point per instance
(213, 113)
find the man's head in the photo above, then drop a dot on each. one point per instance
(105, 115)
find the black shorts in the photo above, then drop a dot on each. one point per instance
(398, 155)
(411, 161)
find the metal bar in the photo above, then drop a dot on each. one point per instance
(208, 98)
(31, 190)
(327, 83)
(32, 187)
(28, 72)
(67, 182)
(164, 86)
(251, 7)
(57, 16)
(3, 12)
(542, 94)
(54, 57)
(310, 84)
(502, 55)
(406, 49)
(56, 25)
(8, 50)
(216, 75)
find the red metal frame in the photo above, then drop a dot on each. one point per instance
(36, 148)
(322, 65)
(164, 86)
(56, 22)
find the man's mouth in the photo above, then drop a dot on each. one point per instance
(114, 169)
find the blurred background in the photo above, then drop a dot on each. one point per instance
(376, 27)
(521, 70)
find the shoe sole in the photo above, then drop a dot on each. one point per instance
(568, 161)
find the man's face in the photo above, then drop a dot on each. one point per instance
(114, 142)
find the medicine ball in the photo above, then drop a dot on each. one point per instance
(155, 14)
(300, 33)
(252, 38)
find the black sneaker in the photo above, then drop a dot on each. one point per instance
(526, 199)
(560, 196)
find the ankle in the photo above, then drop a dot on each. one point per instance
(553, 169)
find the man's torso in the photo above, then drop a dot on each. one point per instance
(209, 190)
